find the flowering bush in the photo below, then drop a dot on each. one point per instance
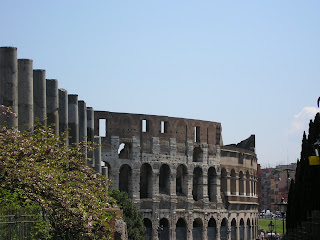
(42, 169)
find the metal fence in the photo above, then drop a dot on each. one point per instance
(19, 224)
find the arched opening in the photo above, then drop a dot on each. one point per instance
(148, 224)
(125, 183)
(253, 229)
(145, 181)
(181, 229)
(197, 184)
(212, 184)
(197, 229)
(212, 229)
(182, 181)
(248, 229)
(247, 184)
(241, 229)
(233, 229)
(241, 183)
(233, 182)
(164, 179)
(223, 229)
(125, 150)
(224, 181)
(197, 154)
(163, 229)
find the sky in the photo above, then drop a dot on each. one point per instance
(253, 65)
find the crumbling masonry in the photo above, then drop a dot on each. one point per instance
(177, 171)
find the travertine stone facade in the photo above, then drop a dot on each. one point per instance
(179, 174)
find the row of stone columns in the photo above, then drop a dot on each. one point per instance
(34, 98)
(233, 185)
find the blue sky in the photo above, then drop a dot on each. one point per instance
(251, 65)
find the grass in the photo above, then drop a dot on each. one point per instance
(263, 224)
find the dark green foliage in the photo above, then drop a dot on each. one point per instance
(304, 194)
(131, 216)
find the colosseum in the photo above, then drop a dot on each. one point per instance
(180, 175)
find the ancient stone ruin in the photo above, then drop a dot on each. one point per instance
(187, 184)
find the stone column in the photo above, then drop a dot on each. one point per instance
(228, 184)
(39, 96)
(82, 111)
(63, 114)
(97, 154)
(82, 115)
(25, 94)
(52, 104)
(237, 184)
(205, 186)
(9, 84)
(73, 118)
(90, 124)
(90, 132)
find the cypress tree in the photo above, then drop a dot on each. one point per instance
(304, 194)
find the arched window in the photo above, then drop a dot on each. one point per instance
(223, 229)
(197, 154)
(241, 183)
(125, 181)
(182, 181)
(197, 191)
(212, 184)
(148, 224)
(248, 229)
(233, 229)
(181, 229)
(163, 229)
(164, 179)
(212, 229)
(125, 151)
(145, 181)
(233, 182)
(241, 229)
(247, 184)
(224, 181)
(197, 229)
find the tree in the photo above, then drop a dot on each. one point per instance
(131, 216)
(42, 170)
(304, 193)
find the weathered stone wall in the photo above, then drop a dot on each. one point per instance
(171, 168)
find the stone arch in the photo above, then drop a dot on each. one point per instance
(182, 180)
(125, 179)
(233, 229)
(148, 224)
(197, 191)
(163, 229)
(212, 184)
(197, 154)
(181, 229)
(197, 229)
(233, 182)
(224, 229)
(248, 229)
(247, 183)
(164, 179)
(241, 183)
(224, 181)
(212, 229)
(241, 229)
(145, 181)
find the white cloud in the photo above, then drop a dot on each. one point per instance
(300, 121)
